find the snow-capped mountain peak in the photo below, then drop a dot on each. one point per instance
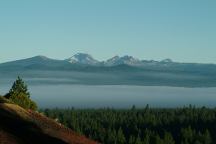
(166, 61)
(82, 58)
(112, 61)
(114, 58)
(86, 59)
(129, 60)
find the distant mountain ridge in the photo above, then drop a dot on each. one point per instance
(86, 59)
(82, 59)
(125, 70)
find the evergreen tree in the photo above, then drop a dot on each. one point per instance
(111, 137)
(138, 140)
(142, 126)
(146, 139)
(120, 137)
(132, 140)
(207, 137)
(168, 139)
(157, 140)
(187, 135)
(19, 95)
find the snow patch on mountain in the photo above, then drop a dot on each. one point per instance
(116, 60)
(82, 58)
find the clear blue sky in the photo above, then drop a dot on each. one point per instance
(183, 30)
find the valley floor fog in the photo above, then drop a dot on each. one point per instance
(118, 96)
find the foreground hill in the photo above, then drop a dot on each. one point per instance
(20, 126)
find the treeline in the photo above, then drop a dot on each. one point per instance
(188, 125)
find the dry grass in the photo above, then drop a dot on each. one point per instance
(46, 125)
(16, 110)
(4, 100)
(6, 138)
(55, 129)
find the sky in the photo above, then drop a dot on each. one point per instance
(183, 30)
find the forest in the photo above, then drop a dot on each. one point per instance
(186, 125)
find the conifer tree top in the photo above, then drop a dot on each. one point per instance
(20, 95)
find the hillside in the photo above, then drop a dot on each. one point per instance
(20, 126)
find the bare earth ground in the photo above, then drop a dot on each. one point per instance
(20, 126)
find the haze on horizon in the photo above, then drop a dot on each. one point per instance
(181, 30)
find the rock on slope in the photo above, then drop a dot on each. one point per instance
(20, 126)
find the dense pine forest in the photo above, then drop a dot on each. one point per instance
(188, 125)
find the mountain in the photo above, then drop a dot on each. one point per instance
(128, 60)
(20, 126)
(126, 70)
(36, 62)
(80, 61)
(82, 58)
(30, 61)
(166, 61)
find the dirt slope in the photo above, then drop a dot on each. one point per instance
(20, 126)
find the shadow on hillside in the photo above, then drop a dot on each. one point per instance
(23, 131)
